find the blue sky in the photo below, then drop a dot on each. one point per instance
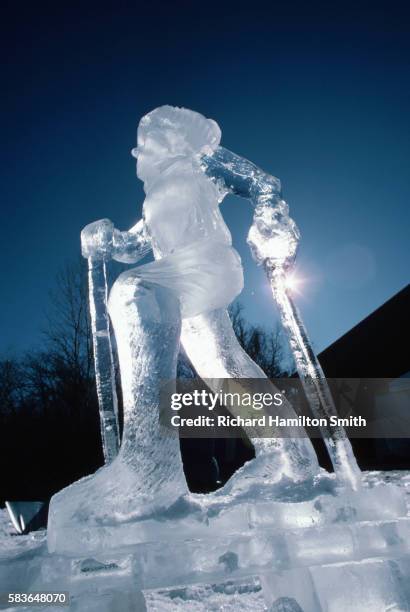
(316, 93)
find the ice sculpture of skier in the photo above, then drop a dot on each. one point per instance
(183, 293)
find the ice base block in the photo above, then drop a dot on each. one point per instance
(336, 552)
(368, 586)
(333, 512)
(316, 550)
(356, 567)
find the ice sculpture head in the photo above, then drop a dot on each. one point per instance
(169, 133)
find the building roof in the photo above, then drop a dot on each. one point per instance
(377, 347)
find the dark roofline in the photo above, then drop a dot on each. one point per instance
(377, 347)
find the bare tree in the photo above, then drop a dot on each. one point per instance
(13, 387)
(265, 348)
(68, 331)
(60, 376)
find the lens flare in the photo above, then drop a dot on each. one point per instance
(294, 282)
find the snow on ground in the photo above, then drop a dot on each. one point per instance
(400, 478)
(12, 544)
(6, 527)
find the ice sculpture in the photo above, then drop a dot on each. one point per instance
(266, 539)
(196, 275)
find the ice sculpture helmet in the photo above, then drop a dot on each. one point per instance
(170, 132)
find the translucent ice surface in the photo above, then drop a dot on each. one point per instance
(211, 345)
(99, 242)
(196, 270)
(343, 553)
(142, 494)
(147, 474)
(273, 239)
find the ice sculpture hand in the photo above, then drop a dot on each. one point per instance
(273, 235)
(97, 240)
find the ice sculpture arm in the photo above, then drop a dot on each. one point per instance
(273, 234)
(239, 176)
(101, 240)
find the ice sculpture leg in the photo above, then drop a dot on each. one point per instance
(211, 345)
(147, 474)
(147, 323)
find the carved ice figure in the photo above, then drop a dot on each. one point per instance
(195, 275)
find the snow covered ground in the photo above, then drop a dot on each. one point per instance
(11, 544)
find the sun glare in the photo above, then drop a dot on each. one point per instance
(293, 282)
